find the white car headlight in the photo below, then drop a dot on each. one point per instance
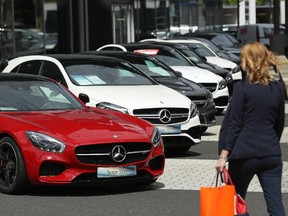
(229, 78)
(110, 106)
(156, 137)
(236, 69)
(194, 110)
(45, 142)
(222, 84)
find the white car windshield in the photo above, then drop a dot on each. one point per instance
(92, 74)
(154, 68)
(201, 49)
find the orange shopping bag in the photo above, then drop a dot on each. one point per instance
(218, 200)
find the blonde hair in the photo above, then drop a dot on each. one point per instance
(256, 61)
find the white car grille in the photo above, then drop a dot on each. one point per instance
(163, 115)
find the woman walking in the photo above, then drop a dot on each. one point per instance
(252, 127)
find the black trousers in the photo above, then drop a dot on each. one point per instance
(269, 173)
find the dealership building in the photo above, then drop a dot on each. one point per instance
(69, 26)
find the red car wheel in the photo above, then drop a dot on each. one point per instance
(13, 178)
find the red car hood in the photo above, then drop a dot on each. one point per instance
(87, 126)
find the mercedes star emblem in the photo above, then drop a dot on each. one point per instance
(165, 116)
(118, 153)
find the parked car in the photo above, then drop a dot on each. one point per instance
(116, 84)
(47, 46)
(48, 136)
(201, 61)
(177, 61)
(222, 39)
(230, 29)
(211, 57)
(165, 75)
(226, 54)
(260, 32)
(24, 38)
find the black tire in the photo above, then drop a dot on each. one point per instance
(13, 179)
(219, 111)
(203, 129)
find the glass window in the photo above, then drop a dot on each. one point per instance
(123, 23)
(30, 30)
(153, 69)
(51, 70)
(172, 58)
(30, 67)
(191, 55)
(221, 39)
(35, 95)
(88, 74)
(15, 70)
(201, 49)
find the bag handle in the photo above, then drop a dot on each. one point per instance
(216, 177)
(225, 177)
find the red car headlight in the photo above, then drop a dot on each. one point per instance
(45, 142)
(156, 137)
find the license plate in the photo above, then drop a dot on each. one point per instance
(169, 129)
(112, 172)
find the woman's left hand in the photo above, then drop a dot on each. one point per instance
(220, 164)
(223, 158)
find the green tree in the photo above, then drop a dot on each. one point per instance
(230, 2)
(234, 2)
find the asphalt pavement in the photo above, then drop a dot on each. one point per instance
(182, 173)
(176, 193)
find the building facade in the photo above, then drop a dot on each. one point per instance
(70, 26)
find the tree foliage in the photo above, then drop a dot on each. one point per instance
(234, 2)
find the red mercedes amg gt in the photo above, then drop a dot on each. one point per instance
(48, 136)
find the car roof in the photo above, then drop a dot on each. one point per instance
(113, 53)
(21, 77)
(126, 55)
(65, 57)
(174, 45)
(147, 45)
(76, 57)
(187, 40)
(179, 45)
(209, 33)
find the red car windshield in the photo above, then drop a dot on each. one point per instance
(36, 95)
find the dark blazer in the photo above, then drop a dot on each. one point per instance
(254, 121)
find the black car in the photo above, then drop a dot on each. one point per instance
(165, 75)
(200, 61)
(225, 40)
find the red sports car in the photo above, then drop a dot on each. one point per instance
(48, 136)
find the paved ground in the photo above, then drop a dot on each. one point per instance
(187, 174)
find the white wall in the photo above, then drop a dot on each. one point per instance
(252, 12)
(242, 19)
(49, 6)
(282, 12)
